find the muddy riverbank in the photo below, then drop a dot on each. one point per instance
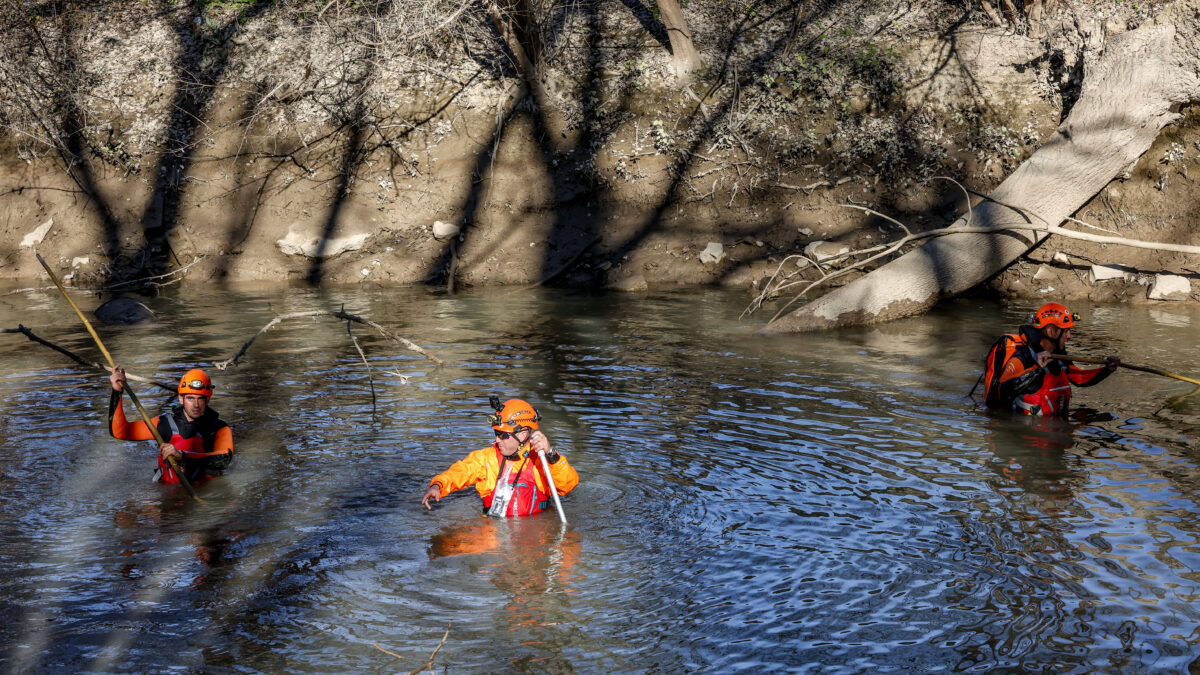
(253, 141)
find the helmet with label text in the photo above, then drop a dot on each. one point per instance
(513, 416)
(1052, 313)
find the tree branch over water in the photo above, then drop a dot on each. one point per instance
(340, 314)
(781, 281)
(78, 359)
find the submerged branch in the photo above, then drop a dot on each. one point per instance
(78, 359)
(428, 665)
(370, 376)
(340, 314)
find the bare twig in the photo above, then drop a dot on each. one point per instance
(78, 359)
(428, 665)
(340, 314)
(370, 376)
(412, 346)
(232, 361)
(877, 252)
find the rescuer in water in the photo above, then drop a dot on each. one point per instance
(508, 476)
(1019, 373)
(195, 435)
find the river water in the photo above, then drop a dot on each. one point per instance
(813, 503)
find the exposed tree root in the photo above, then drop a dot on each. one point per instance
(779, 282)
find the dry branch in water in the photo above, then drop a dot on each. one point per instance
(340, 314)
(428, 665)
(81, 361)
(370, 376)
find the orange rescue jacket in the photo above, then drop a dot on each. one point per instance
(482, 469)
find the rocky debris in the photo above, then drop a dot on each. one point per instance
(443, 231)
(824, 250)
(297, 243)
(1170, 287)
(1043, 273)
(712, 254)
(123, 311)
(80, 261)
(37, 235)
(1100, 273)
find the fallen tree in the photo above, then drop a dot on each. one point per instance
(1130, 92)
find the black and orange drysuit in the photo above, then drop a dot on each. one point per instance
(206, 443)
(1014, 381)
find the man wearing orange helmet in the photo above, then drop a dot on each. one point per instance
(509, 479)
(196, 437)
(1020, 374)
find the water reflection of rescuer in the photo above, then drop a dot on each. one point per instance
(507, 475)
(1020, 375)
(196, 436)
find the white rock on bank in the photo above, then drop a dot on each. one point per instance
(713, 253)
(82, 260)
(445, 230)
(1061, 258)
(1043, 273)
(824, 250)
(296, 243)
(1170, 287)
(1107, 273)
(39, 233)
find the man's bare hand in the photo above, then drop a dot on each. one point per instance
(167, 451)
(435, 493)
(117, 378)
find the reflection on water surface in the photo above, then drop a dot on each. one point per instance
(825, 503)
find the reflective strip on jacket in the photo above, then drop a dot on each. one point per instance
(482, 468)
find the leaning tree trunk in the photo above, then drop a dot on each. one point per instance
(684, 57)
(1128, 96)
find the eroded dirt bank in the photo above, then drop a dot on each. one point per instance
(267, 141)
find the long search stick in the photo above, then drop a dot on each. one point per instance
(133, 397)
(553, 488)
(1144, 369)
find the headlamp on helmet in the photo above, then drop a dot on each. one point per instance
(195, 381)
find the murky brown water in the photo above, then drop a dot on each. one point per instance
(821, 503)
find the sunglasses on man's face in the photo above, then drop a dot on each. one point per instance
(505, 435)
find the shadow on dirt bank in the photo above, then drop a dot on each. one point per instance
(795, 101)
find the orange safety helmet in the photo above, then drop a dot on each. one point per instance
(1056, 314)
(514, 415)
(195, 381)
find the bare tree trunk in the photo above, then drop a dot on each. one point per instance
(513, 23)
(685, 58)
(991, 12)
(1128, 96)
(1034, 10)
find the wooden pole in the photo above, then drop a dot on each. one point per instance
(111, 364)
(1143, 369)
